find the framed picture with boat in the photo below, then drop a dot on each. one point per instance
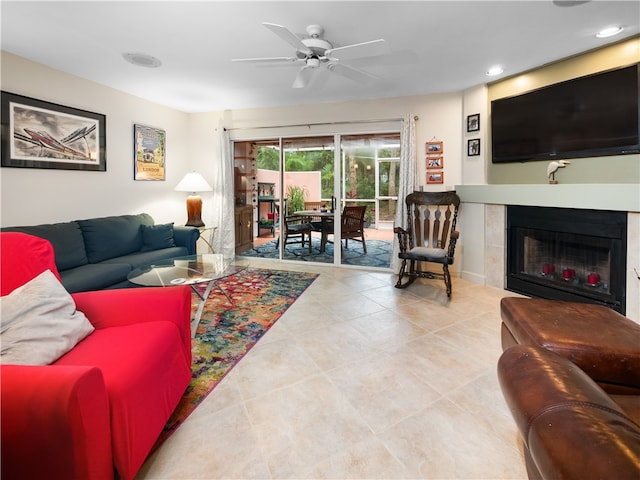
(41, 134)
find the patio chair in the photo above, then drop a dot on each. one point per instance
(351, 227)
(430, 237)
(295, 230)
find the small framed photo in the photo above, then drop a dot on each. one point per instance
(473, 122)
(435, 177)
(473, 147)
(435, 162)
(434, 148)
(149, 153)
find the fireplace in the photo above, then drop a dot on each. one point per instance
(567, 254)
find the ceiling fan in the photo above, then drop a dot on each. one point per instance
(315, 54)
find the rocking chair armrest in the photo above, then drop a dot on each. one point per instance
(403, 238)
(452, 242)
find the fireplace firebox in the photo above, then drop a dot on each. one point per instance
(567, 254)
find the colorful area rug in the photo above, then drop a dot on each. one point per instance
(239, 311)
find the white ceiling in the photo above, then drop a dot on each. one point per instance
(453, 42)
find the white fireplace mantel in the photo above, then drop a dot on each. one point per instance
(621, 197)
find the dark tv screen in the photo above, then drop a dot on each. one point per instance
(596, 115)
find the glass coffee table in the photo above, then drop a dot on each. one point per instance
(191, 270)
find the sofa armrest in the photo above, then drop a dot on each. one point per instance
(55, 422)
(570, 427)
(186, 237)
(119, 307)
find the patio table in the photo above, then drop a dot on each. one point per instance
(325, 218)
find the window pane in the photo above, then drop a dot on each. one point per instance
(387, 212)
(389, 178)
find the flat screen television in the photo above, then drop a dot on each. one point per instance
(596, 115)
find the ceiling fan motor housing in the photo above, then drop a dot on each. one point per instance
(317, 45)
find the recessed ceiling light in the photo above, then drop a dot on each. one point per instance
(495, 70)
(609, 32)
(142, 60)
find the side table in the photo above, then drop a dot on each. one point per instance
(208, 241)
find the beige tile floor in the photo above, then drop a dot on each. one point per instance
(358, 380)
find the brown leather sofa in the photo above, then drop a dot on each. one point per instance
(570, 374)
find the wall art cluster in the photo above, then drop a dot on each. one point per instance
(435, 161)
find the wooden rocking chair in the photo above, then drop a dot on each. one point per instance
(431, 236)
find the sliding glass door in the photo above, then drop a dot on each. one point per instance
(321, 204)
(369, 176)
(308, 194)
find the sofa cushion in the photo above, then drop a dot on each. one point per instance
(611, 356)
(40, 322)
(67, 241)
(155, 237)
(94, 276)
(110, 237)
(144, 259)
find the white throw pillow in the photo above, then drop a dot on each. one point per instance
(39, 322)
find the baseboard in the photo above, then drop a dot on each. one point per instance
(474, 277)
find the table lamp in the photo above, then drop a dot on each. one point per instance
(194, 182)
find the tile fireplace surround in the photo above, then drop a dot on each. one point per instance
(491, 201)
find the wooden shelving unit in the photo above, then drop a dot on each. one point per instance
(266, 196)
(245, 192)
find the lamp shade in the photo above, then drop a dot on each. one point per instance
(193, 182)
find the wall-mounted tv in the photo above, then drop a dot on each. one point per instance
(596, 115)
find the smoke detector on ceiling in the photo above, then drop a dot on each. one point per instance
(142, 60)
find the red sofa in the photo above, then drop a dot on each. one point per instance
(96, 411)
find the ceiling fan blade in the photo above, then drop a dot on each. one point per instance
(401, 57)
(266, 60)
(289, 37)
(359, 50)
(351, 73)
(304, 77)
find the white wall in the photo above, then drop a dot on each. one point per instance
(472, 216)
(203, 152)
(32, 196)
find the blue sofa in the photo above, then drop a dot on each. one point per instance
(99, 253)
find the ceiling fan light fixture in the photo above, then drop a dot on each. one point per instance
(142, 60)
(495, 70)
(609, 32)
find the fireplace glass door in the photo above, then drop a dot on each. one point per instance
(567, 254)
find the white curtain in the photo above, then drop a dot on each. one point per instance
(223, 198)
(407, 179)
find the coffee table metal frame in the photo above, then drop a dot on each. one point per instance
(191, 270)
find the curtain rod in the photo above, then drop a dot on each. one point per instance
(309, 125)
